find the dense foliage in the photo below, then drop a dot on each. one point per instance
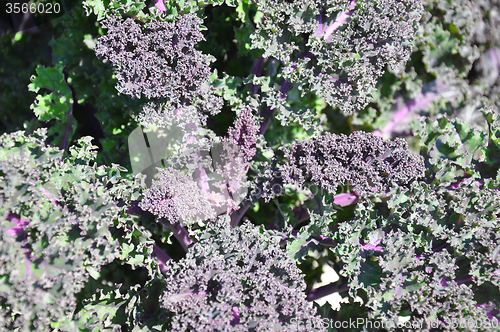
(199, 165)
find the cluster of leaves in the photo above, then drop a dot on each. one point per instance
(159, 60)
(61, 222)
(337, 49)
(311, 120)
(453, 70)
(437, 249)
(237, 277)
(364, 161)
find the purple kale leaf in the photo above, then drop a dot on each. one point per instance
(236, 279)
(57, 226)
(338, 49)
(176, 197)
(159, 60)
(365, 162)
